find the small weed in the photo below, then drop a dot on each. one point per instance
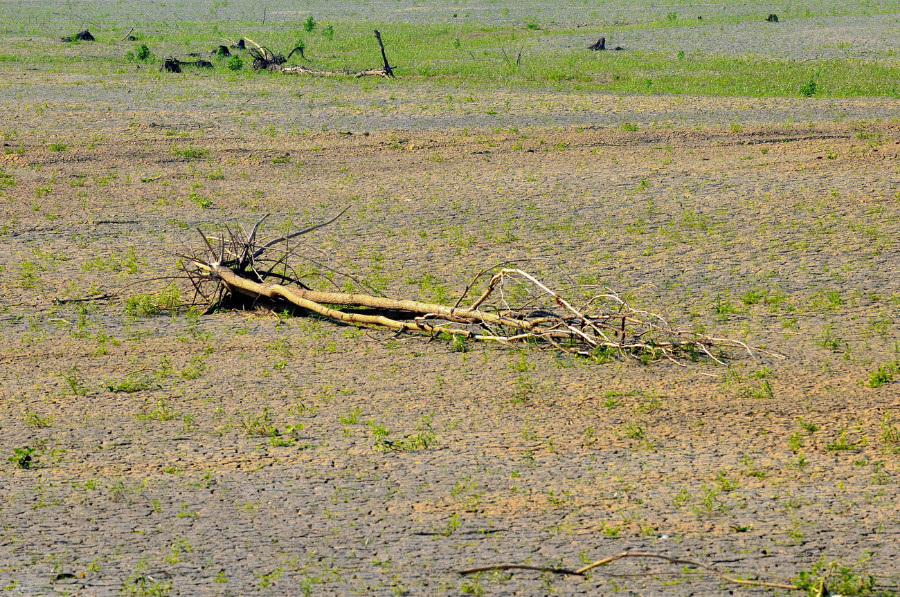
(141, 305)
(835, 578)
(808, 426)
(753, 296)
(724, 308)
(58, 146)
(890, 434)
(524, 388)
(260, 425)
(351, 418)
(453, 523)
(179, 547)
(420, 440)
(310, 24)
(162, 412)
(235, 63)
(191, 152)
(185, 512)
(522, 365)
(23, 457)
(72, 377)
(841, 443)
(709, 503)
(36, 421)
(883, 375)
(724, 483)
(129, 384)
(751, 469)
(633, 430)
(458, 343)
(830, 341)
(194, 369)
(682, 498)
(202, 201)
(472, 586)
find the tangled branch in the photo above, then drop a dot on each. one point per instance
(515, 306)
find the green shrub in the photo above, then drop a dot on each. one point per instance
(142, 52)
(235, 63)
(809, 88)
(883, 375)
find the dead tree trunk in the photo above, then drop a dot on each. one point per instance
(602, 325)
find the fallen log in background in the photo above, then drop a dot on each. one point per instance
(266, 59)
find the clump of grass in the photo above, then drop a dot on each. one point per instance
(423, 437)
(883, 375)
(809, 88)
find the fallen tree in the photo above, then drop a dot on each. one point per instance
(266, 59)
(514, 307)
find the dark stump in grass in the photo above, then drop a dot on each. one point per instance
(80, 36)
(171, 65)
(599, 45)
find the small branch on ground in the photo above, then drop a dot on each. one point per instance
(609, 560)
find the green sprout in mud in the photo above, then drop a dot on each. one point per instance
(23, 457)
(423, 437)
(72, 377)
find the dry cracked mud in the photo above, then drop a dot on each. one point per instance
(239, 453)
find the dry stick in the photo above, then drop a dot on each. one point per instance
(584, 569)
(387, 67)
(478, 275)
(271, 243)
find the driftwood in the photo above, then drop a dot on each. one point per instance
(599, 45)
(265, 59)
(601, 325)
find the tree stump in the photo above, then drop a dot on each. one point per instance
(599, 45)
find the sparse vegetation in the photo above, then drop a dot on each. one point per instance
(732, 190)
